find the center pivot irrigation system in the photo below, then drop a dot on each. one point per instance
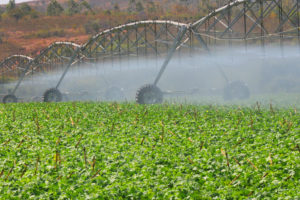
(240, 23)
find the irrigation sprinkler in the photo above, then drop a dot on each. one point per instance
(151, 94)
(11, 98)
(243, 23)
(11, 68)
(53, 94)
(118, 36)
(47, 57)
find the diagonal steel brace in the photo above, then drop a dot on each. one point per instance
(72, 61)
(201, 40)
(171, 52)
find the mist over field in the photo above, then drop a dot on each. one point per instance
(272, 75)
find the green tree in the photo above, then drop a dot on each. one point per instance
(139, 7)
(13, 11)
(73, 7)
(16, 13)
(131, 6)
(11, 6)
(26, 9)
(86, 5)
(34, 14)
(54, 8)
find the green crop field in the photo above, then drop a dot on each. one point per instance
(129, 151)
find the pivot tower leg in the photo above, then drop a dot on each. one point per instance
(176, 43)
(72, 61)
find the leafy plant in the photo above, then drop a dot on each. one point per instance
(54, 8)
(126, 151)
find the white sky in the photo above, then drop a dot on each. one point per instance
(17, 1)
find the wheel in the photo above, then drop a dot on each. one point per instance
(114, 94)
(52, 95)
(10, 98)
(236, 90)
(149, 94)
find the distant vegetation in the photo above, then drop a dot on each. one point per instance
(54, 8)
(72, 7)
(19, 12)
(29, 27)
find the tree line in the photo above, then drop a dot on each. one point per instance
(142, 9)
(72, 7)
(54, 8)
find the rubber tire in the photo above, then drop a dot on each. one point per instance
(52, 91)
(114, 94)
(236, 90)
(151, 90)
(11, 97)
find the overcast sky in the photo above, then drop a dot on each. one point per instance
(17, 1)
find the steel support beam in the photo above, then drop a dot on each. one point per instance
(199, 38)
(171, 52)
(71, 62)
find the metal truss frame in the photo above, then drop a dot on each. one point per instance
(241, 21)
